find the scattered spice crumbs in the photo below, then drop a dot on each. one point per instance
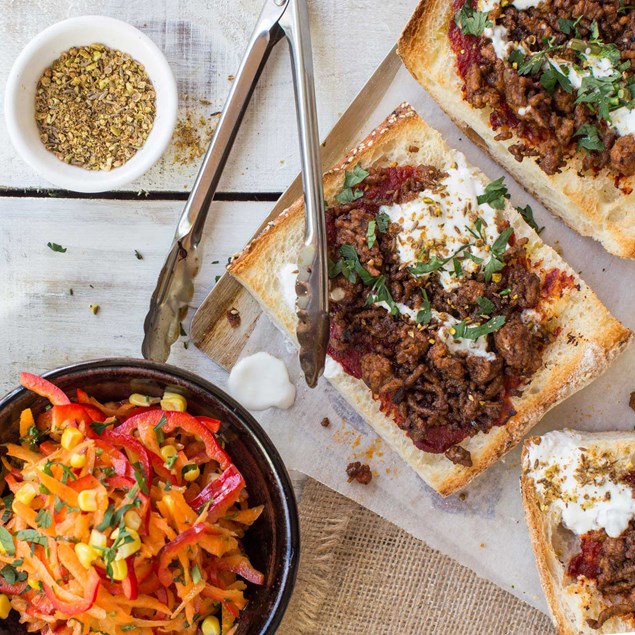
(359, 472)
(95, 107)
(326, 422)
(94, 308)
(191, 138)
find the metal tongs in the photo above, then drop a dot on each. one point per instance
(175, 286)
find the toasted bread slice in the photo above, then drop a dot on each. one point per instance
(571, 601)
(591, 205)
(581, 351)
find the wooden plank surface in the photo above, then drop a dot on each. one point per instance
(42, 326)
(204, 41)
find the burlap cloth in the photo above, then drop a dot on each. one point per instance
(359, 574)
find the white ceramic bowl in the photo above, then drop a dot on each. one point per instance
(40, 53)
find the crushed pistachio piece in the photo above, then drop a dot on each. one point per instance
(95, 107)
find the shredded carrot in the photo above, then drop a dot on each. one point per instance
(106, 546)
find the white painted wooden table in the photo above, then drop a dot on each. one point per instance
(41, 324)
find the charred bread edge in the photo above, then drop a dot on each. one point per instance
(425, 50)
(581, 365)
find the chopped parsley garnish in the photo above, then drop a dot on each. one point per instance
(348, 195)
(56, 247)
(162, 421)
(528, 215)
(67, 473)
(533, 63)
(463, 331)
(33, 436)
(141, 477)
(379, 293)
(32, 536)
(351, 179)
(188, 468)
(350, 266)
(470, 21)
(138, 255)
(435, 263)
(569, 27)
(107, 520)
(495, 194)
(383, 221)
(170, 461)
(425, 313)
(371, 236)
(43, 519)
(99, 427)
(517, 57)
(552, 77)
(486, 305)
(589, 137)
(506, 291)
(6, 541)
(10, 573)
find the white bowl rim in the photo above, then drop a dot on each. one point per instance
(74, 178)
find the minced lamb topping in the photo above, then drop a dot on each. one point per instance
(557, 74)
(433, 303)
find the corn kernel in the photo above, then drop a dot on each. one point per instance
(497, 277)
(169, 503)
(26, 494)
(71, 437)
(168, 451)
(98, 539)
(34, 583)
(87, 500)
(119, 570)
(132, 520)
(210, 626)
(5, 607)
(192, 474)
(136, 399)
(173, 401)
(86, 554)
(78, 460)
(129, 548)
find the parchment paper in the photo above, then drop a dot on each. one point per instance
(483, 528)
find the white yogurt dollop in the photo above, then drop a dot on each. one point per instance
(261, 381)
(586, 496)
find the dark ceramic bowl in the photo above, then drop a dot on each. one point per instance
(273, 542)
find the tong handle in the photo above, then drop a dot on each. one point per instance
(264, 37)
(312, 282)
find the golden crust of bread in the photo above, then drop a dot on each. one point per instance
(570, 602)
(566, 368)
(590, 205)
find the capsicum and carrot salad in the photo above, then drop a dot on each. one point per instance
(122, 517)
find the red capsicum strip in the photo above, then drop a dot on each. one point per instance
(58, 415)
(83, 604)
(222, 492)
(182, 420)
(129, 584)
(44, 388)
(170, 551)
(11, 589)
(128, 442)
(241, 566)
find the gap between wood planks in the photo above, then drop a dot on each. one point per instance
(257, 197)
